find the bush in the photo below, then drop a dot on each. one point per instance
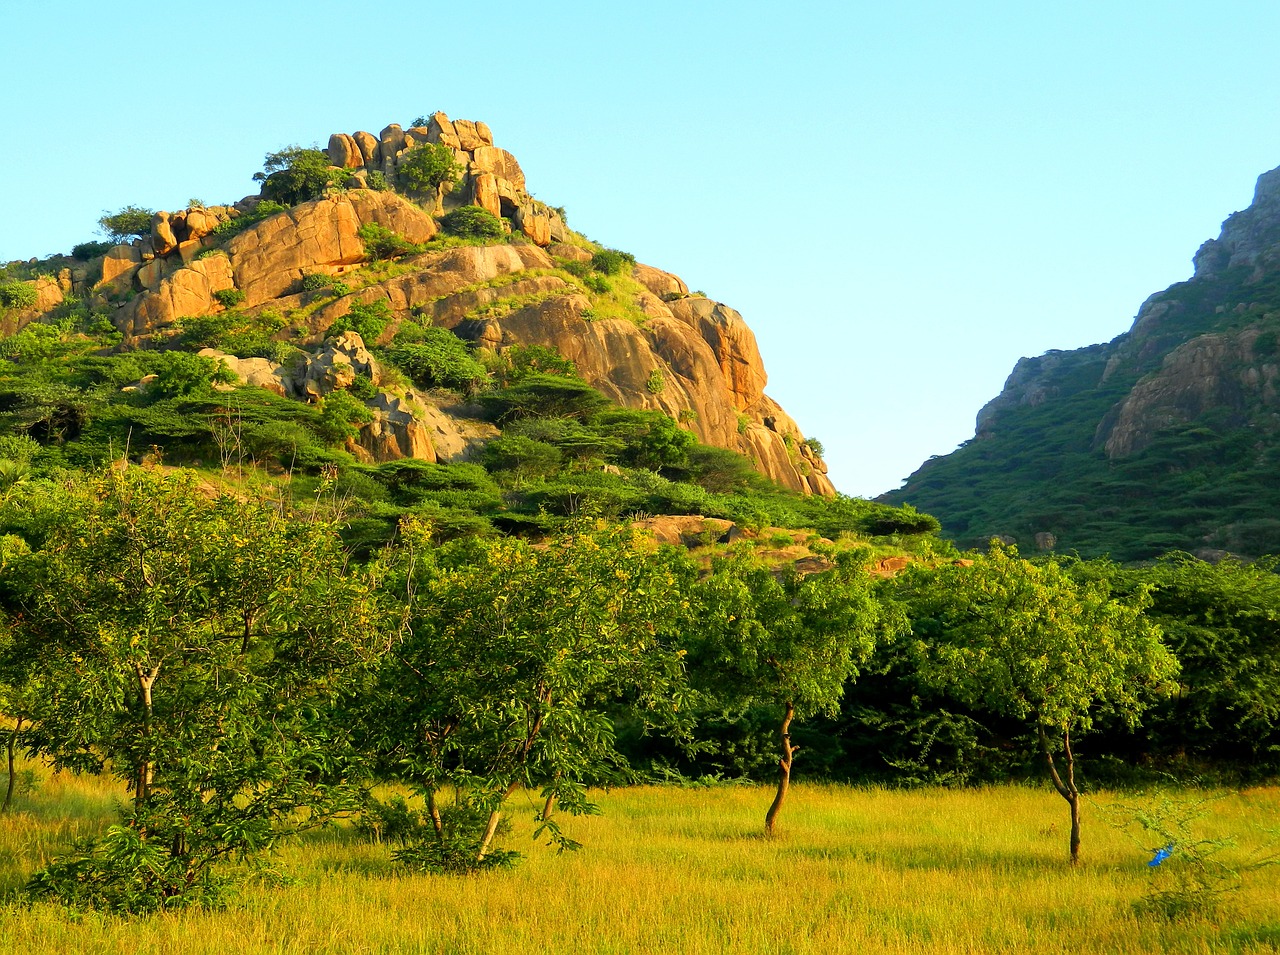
(381, 243)
(229, 297)
(17, 295)
(438, 359)
(128, 222)
(263, 210)
(611, 261)
(473, 222)
(84, 251)
(367, 319)
(377, 181)
(428, 166)
(295, 175)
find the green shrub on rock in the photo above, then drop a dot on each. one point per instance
(473, 222)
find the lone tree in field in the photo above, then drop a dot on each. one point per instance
(1027, 641)
(782, 639)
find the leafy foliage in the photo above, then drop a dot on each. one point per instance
(429, 166)
(611, 261)
(294, 174)
(473, 222)
(127, 223)
(438, 359)
(17, 295)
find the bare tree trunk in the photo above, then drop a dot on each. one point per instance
(13, 772)
(146, 766)
(434, 811)
(1066, 789)
(784, 768)
(492, 827)
(549, 806)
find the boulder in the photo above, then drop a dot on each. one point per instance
(271, 257)
(469, 137)
(501, 163)
(733, 343)
(536, 226)
(335, 365)
(120, 262)
(484, 192)
(662, 284)
(483, 131)
(572, 253)
(259, 372)
(440, 130)
(369, 146)
(392, 138)
(163, 239)
(344, 152)
(688, 530)
(394, 433)
(188, 290)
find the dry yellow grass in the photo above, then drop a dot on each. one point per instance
(688, 871)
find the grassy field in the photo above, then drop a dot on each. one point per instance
(688, 871)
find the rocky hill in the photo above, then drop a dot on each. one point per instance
(366, 244)
(1164, 438)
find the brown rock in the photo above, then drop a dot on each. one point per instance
(440, 130)
(486, 136)
(335, 366)
(688, 530)
(344, 152)
(259, 372)
(270, 257)
(187, 291)
(501, 163)
(537, 227)
(200, 222)
(163, 239)
(484, 192)
(370, 147)
(469, 137)
(662, 284)
(732, 341)
(392, 139)
(120, 262)
(395, 432)
(573, 253)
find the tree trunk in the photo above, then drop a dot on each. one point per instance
(433, 809)
(146, 766)
(13, 772)
(549, 806)
(492, 827)
(1066, 789)
(784, 769)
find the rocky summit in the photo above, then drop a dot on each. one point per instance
(1165, 438)
(639, 337)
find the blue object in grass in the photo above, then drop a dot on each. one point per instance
(1161, 855)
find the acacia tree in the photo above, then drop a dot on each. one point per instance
(1026, 640)
(513, 658)
(192, 647)
(784, 639)
(430, 167)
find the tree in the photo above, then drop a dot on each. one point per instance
(429, 167)
(294, 175)
(127, 223)
(196, 644)
(473, 222)
(512, 660)
(785, 639)
(1027, 641)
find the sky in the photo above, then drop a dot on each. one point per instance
(902, 199)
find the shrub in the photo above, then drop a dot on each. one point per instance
(381, 243)
(657, 382)
(814, 445)
(612, 261)
(598, 284)
(341, 415)
(439, 358)
(473, 222)
(229, 297)
(428, 166)
(17, 295)
(377, 181)
(318, 280)
(84, 251)
(367, 319)
(128, 222)
(263, 210)
(295, 175)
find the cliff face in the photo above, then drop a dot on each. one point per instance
(658, 347)
(1167, 434)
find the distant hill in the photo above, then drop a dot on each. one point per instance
(1164, 438)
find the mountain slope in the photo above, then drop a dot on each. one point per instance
(288, 275)
(1164, 438)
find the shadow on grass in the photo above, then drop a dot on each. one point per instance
(905, 859)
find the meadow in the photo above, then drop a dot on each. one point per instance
(689, 870)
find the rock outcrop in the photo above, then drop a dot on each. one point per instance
(687, 356)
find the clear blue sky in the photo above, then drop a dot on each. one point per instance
(901, 198)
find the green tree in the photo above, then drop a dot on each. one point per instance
(196, 645)
(294, 175)
(429, 167)
(17, 295)
(786, 640)
(127, 223)
(1028, 641)
(473, 222)
(513, 659)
